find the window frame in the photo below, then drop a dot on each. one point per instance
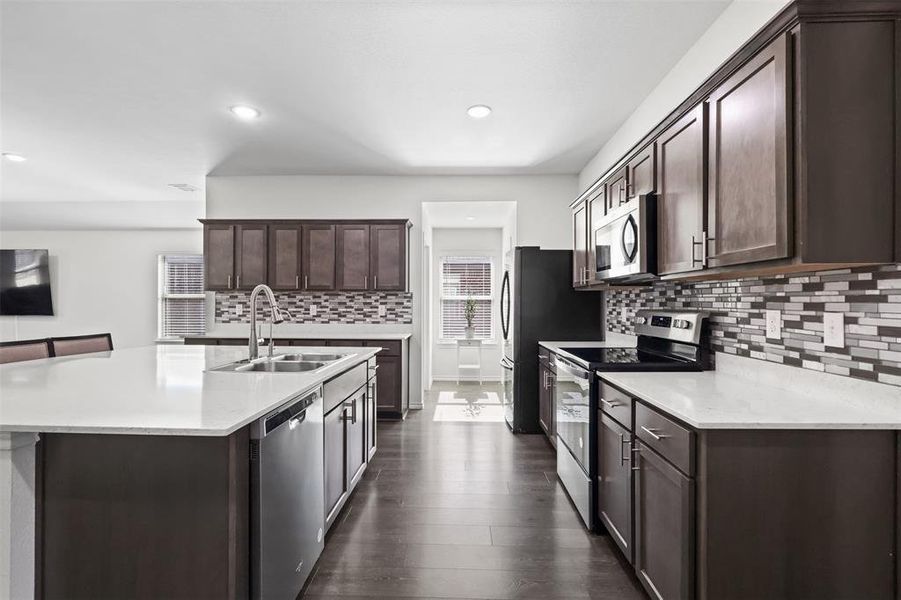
(491, 298)
(161, 296)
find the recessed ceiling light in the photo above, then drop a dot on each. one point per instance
(470, 218)
(244, 112)
(185, 187)
(14, 157)
(479, 111)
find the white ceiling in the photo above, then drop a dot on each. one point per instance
(112, 101)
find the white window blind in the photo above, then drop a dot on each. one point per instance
(463, 278)
(182, 309)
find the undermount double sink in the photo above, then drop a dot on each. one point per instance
(283, 363)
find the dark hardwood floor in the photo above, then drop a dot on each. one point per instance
(459, 507)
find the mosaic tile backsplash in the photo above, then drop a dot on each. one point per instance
(348, 307)
(870, 299)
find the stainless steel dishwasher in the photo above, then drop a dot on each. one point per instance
(287, 497)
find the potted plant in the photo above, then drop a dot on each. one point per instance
(469, 313)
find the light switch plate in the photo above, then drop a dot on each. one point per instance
(239, 309)
(834, 329)
(774, 324)
(313, 310)
(382, 311)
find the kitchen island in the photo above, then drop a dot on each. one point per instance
(130, 471)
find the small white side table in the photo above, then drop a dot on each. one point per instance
(473, 344)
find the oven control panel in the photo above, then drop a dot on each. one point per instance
(681, 326)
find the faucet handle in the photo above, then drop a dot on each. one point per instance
(287, 314)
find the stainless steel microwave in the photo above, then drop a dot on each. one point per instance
(625, 242)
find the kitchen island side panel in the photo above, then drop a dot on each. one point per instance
(144, 516)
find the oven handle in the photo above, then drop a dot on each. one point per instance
(571, 368)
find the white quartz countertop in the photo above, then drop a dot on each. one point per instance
(151, 390)
(752, 394)
(310, 335)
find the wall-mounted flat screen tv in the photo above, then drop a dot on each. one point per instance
(25, 283)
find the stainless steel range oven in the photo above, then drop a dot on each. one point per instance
(666, 341)
(625, 243)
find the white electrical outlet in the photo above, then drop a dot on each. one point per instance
(239, 309)
(834, 329)
(774, 325)
(313, 310)
(382, 311)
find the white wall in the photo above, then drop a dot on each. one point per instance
(540, 221)
(101, 281)
(463, 242)
(735, 26)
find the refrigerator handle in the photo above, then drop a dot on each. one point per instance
(505, 304)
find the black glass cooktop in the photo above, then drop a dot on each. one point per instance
(626, 359)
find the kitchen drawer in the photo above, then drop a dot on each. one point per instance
(389, 347)
(615, 403)
(673, 441)
(318, 343)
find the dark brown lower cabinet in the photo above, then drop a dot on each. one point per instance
(335, 436)
(546, 401)
(355, 419)
(664, 526)
(389, 382)
(615, 482)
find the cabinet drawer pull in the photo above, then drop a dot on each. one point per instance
(609, 404)
(653, 433)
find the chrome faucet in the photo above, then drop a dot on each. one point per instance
(275, 317)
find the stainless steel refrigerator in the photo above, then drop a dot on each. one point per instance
(538, 303)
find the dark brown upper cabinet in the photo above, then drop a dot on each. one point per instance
(285, 254)
(307, 255)
(580, 244)
(353, 256)
(642, 172)
(749, 210)
(319, 252)
(251, 256)
(597, 207)
(681, 195)
(616, 189)
(803, 167)
(388, 261)
(219, 256)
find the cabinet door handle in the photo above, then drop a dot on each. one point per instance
(297, 282)
(609, 404)
(229, 284)
(375, 282)
(622, 453)
(653, 433)
(706, 246)
(365, 282)
(239, 282)
(694, 243)
(305, 281)
(352, 405)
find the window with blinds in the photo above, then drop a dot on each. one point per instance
(463, 278)
(182, 310)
